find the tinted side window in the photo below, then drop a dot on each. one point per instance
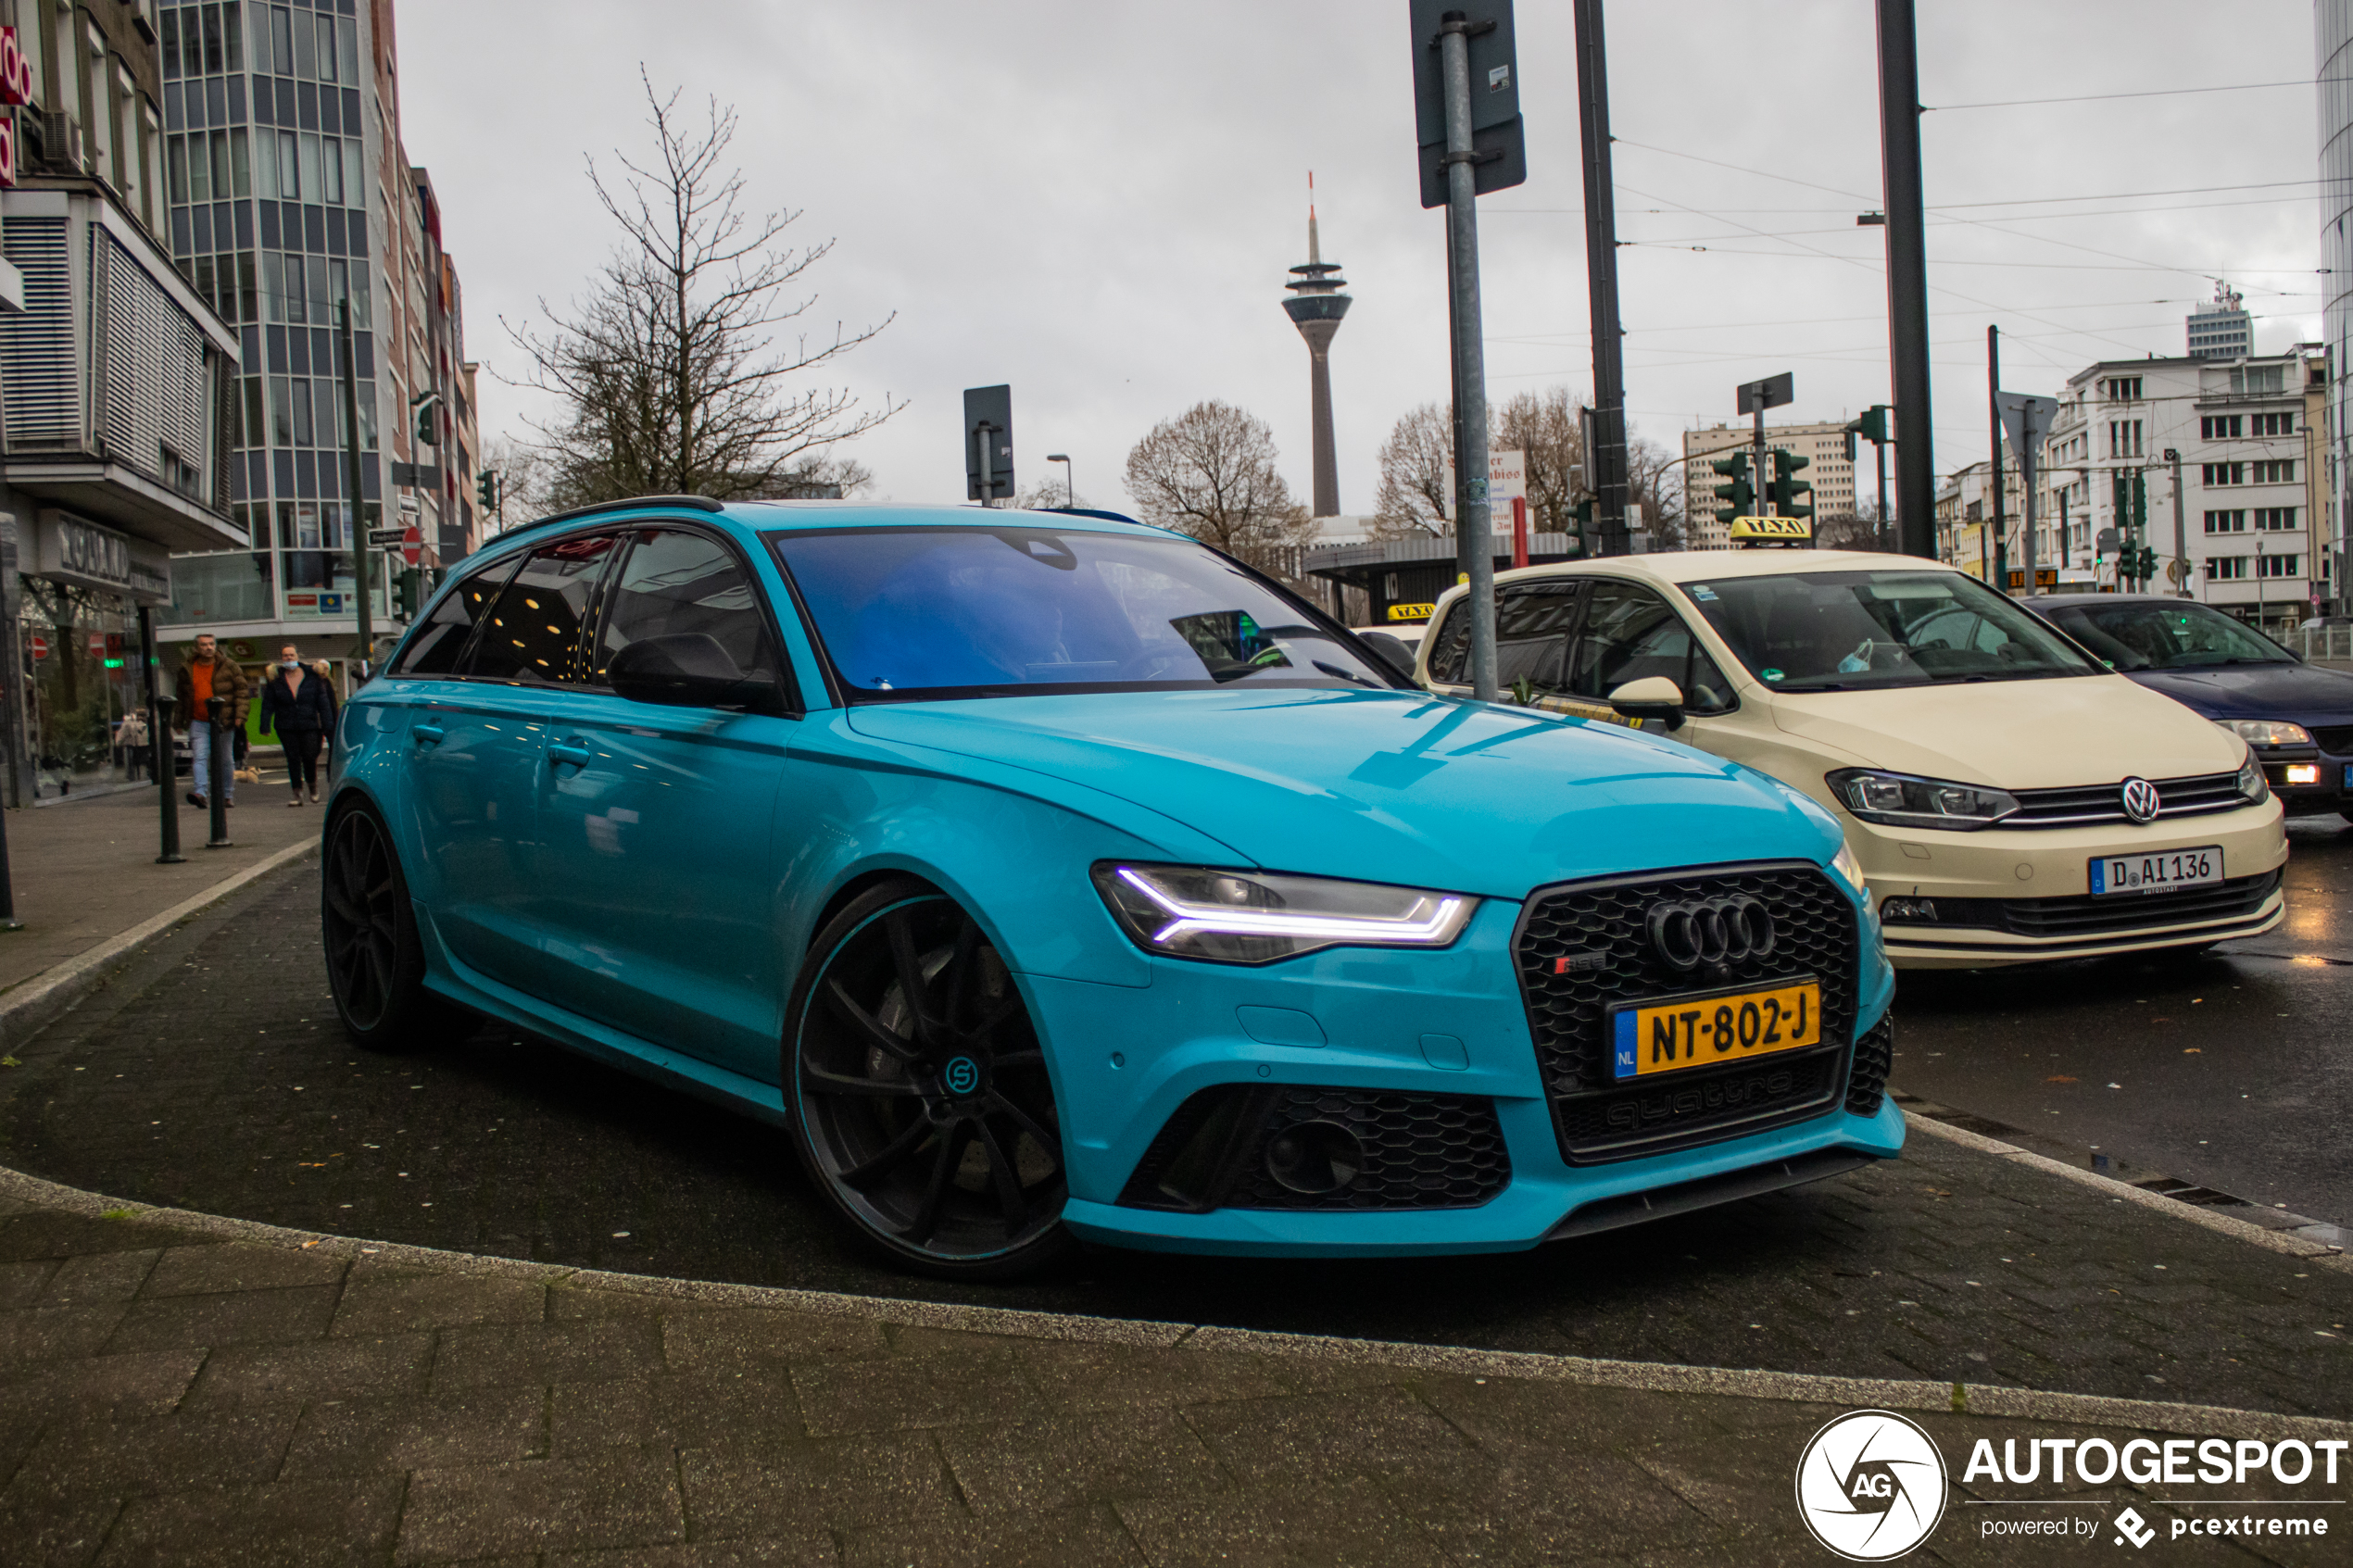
(678, 581)
(1532, 621)
(441, 641)
(1629, 633)
(534, 634)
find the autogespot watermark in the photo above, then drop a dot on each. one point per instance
(1872, 1486)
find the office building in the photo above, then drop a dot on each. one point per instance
(2222, 330)
(1823, 446)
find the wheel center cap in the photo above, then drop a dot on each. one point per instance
(960, 1075)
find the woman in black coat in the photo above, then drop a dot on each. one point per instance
(298, 704)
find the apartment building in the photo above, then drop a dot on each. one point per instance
(1824, 447)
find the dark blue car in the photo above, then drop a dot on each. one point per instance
(2299, 718)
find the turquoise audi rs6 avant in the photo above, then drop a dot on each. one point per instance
(1052, 876)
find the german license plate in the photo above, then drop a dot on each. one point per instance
(2156, 874)
(1717, 1026)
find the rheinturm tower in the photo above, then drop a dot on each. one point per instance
(1316, 306)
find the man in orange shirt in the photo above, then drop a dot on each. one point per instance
(207, 674)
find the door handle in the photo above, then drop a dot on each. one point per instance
(569, 753)
(426, 735)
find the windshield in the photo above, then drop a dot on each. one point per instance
(1860, 631)
(2166, 636)
(1004, 611)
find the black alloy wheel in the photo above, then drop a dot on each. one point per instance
(919, 1095)
(375, 962)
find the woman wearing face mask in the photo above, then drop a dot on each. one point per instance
(298, 705)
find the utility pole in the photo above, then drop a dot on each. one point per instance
(1899, 116)
(362, 549)
(1994, 425)
(1609, 462)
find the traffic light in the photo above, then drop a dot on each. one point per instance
(486, 490)
(1872, 425)
(1740, 496)
(1791, 497)
(2144, 566)
(421, 407)
(406, 589)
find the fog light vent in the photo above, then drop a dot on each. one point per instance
(1907, 911)
(1315, 1157)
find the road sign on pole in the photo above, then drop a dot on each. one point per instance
(1463, 68)
(2026, 420)
(412, 544)
(988, 443)
(1754, 398)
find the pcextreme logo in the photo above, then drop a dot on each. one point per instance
(1870, 1485)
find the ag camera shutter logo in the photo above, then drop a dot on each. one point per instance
(1870, 1485)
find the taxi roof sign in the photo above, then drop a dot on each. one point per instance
(1411, 612)
(1772, 531)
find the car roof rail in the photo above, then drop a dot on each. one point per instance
(701, 503)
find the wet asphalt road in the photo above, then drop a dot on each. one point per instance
(2231, 1070)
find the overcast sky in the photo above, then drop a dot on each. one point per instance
(1097, 201)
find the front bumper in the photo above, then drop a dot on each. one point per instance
(1127, 1060)
(2308, 780)
(2001, 865)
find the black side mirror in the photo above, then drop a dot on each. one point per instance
(688, 669)
(1393, 650)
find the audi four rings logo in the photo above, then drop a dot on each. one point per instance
(1711, 930)
(2141, 800)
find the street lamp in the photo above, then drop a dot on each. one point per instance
(1069, 486)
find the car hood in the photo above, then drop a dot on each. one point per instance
(2014, 734)
(1387, 786)
(2295, 692)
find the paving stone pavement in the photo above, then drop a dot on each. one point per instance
(167, 1395)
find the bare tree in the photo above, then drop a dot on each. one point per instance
(1655, 478)
(1416, 475)
(818, 478)
(1045, 495)
(671, 370)
(1847, 531)
(1209, 473)
(524, 474)
(1542, 426)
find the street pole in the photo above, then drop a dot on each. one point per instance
(1879, 453)
(2026, 483)
(360, 548)
(163, 762)
(1601, 280)
(221, 764)
(1470, 364)
(1994, 423)
(1756, 461)
(2180, 532)
(1899, 116)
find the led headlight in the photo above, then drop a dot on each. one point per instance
(1849, 869)
(2252, 787)
(2266, 732)
(1255, 917)
(1901, 800)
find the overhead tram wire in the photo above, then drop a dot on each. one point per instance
(2142, 92)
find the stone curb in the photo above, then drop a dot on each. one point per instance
(1980, 1400)
(33, 1005)
(2253, 1234)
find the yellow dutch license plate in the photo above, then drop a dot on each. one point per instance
(1718, 1026)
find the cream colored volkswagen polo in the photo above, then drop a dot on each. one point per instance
(2010, 798)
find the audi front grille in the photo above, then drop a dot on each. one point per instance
(1584, 948)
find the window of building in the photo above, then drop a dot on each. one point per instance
(2226, 523)
(2273, 424)
(2225, 569)
(2219, 427)
(2124, 438)
(2121, 389)
(2279, 566)
(2280, 472)
(2259, 381)
(282, 58)
(2219, 475)
(2274, 520)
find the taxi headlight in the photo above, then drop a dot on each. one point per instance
(2265, 731)
(2253, 789)
(1256, 917)
(1901, 800)
(1849, 869)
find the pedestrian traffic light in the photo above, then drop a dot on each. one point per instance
(1740, 496)
(486, 490)
(1791, 497)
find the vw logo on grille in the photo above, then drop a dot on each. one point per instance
(1711, 930)
(2141, 800)
(962, 1075)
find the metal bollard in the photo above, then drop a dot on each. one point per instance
(221, 766)
(167, 759)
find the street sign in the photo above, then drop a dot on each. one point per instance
(2179, 571)
(380, 537)
(1499, 147)
(1506, 476)
(2106, 541)
(412, 540)
(2026, 420)
(989, 443)
(1771, 393)
(39, 645)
